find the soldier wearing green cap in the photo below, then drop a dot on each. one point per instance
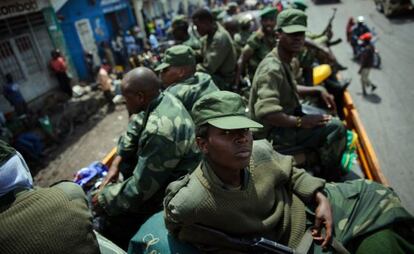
(217, 49)
(179, 76)
(240, 38)
(259, 44)
(274, 101)
(246, 190)
(179, 30)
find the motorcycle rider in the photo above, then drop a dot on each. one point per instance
(359, 29)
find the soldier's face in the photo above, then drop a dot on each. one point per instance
(134, 101)
(268, 25)
(169, 75)
(292, 42)
(203, 27)
(227, 149)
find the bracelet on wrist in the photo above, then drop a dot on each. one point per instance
(298, 121)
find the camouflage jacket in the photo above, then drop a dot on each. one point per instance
(187, 91)
(165, 149)
(190, 90)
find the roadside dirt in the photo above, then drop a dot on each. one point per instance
(90, 141)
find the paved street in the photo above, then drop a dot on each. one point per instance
(387, 114)
(90, 142)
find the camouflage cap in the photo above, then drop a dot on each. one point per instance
(292, 21)
(179, 55)
(268, 12)
(224, 110)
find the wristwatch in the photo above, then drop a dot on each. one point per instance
(298, 121)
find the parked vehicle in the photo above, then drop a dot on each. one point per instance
(391, 7)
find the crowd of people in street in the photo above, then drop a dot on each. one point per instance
(230, 148)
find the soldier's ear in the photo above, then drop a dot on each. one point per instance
(202, 144)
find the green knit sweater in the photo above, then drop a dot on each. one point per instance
(270, 204)
(46, 220)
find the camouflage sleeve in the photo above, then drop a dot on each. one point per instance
(214, 55)
(155, 164)
(128, 142)
(268, 98)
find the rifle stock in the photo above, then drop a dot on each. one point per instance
(257, 245)
(330, 21)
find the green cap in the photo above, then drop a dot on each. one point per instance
(179, 55)
(179, 20)
(292, 21)
(246, 19)
(231, 4)
(222, 109)
(216, 11)
(300, 5)
(268, 12)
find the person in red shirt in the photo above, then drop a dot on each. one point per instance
(59, 67)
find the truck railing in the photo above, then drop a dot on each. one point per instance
(366, 155)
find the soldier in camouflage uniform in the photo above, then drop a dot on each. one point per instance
(165, 151)
(180, 78)
(259, 44)
(217, 49)
(274, 101)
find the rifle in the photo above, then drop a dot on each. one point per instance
(256, 245)
(329, 26)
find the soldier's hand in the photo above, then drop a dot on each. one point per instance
(111, 176)
(311, 121)
(323, 219)
(96, 207)
(329, 100)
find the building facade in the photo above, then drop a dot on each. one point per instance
(28, 33)
(88, 23)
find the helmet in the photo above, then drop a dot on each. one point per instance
(360, 19)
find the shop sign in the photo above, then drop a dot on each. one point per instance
(11, 8)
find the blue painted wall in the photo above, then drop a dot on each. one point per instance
(98, 15)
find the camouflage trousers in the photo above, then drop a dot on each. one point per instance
(328, 141)
(361, 208)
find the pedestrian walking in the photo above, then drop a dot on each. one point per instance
(366, 62)
(59, 67)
